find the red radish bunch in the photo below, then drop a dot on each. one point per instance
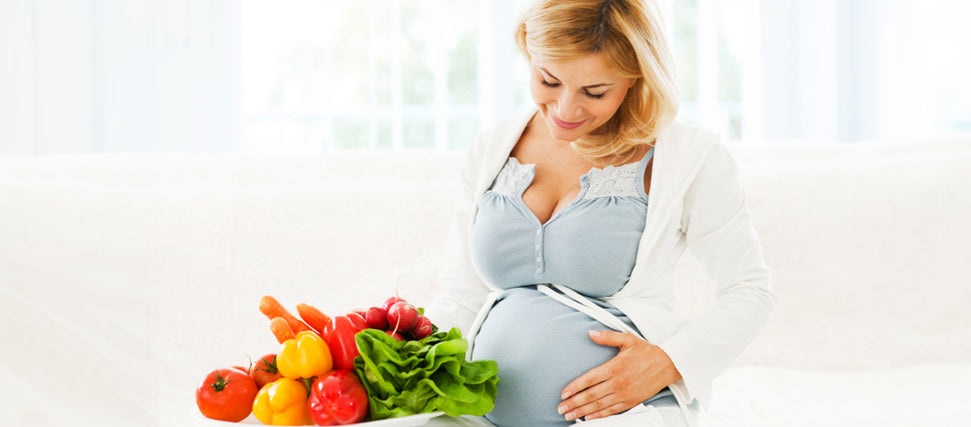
(377, 318)
(399, 319)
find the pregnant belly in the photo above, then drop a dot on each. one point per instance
(541, 346)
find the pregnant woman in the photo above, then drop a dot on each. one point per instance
(571, 219)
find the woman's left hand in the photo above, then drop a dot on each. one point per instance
(636, 373)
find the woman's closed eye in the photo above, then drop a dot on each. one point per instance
(556, 85)
(594, 95)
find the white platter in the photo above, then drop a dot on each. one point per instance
(409, 421)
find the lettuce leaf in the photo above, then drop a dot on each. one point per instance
(428, 375)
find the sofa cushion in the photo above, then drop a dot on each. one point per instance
(154, 264)
(918, 395)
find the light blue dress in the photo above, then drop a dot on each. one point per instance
(590, 245)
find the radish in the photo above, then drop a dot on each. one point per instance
(377, 318)
(402, 317)
(392, 301)
(395, 335)
(423, 328)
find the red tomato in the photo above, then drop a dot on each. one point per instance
(226, 395)
(264, 371)
(337, 398)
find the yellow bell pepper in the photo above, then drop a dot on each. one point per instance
(304, 356)
(282, 403)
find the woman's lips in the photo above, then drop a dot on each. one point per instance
(566, 125)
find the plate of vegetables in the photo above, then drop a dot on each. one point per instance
(407, 421)
(387, 366)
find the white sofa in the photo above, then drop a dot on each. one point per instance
(124, 279)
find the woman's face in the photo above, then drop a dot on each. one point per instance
(576, 96)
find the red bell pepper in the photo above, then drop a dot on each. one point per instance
(339, 335)
(337, 398)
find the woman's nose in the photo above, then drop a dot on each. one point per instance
(568, 107)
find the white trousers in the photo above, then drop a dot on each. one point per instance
(642, 416)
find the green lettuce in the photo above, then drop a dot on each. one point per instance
(428, 375)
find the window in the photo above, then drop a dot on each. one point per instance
(353, 74)
(378, 74)
(312, 75)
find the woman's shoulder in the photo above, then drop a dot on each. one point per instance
(491, 147)
(699, 151)
(687, 144)
(499, 138)
(689, 136)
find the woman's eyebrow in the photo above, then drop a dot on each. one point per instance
(585, 87)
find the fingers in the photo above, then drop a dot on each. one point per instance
(598, 398)
(605, 371)
(611, 338)
(612, 410)
(621, 383)
(592, 377)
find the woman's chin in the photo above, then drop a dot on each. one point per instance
(564, 135)
(561, 134)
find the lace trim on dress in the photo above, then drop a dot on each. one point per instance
(612, 181)
(512, 178)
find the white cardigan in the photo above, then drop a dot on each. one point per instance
(696, 203)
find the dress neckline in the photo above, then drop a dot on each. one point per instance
(584, 181)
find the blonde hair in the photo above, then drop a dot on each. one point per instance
(629, 33)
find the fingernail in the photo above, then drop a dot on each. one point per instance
(571, 416)
(561, 410)
(594, 333)
(565, 395)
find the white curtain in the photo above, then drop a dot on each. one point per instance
(90, 76)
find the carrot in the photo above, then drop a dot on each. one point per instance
(313, 317)
(281, 330)
(272, 309)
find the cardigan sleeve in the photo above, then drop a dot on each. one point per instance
(717, 227)
(461, 291)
